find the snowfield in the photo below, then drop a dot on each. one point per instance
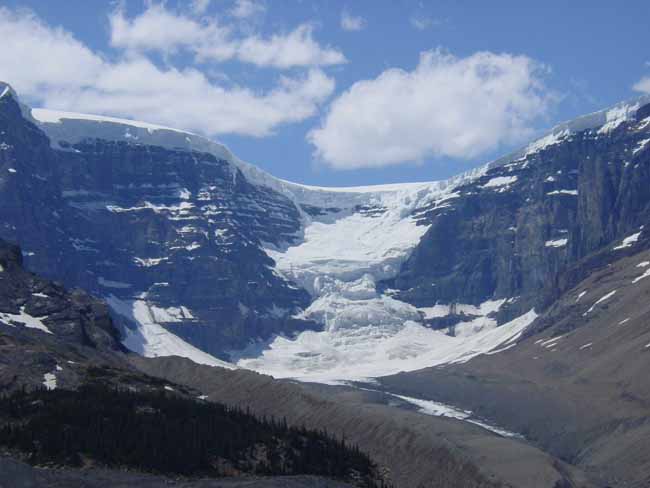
(367, 334)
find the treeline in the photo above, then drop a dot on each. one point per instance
(164, 433)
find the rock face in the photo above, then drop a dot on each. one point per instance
(193, 248)
(28, 301)
(515, 230)
(130, 221)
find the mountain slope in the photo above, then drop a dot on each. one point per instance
(577, 384)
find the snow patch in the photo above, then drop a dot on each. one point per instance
(628, 241)
(499, 181)
(49, 381)
(26, 319)
(641, 146)
(600, 300)
(563, 192)
(556, 243)
(150, 339)
(646, 274)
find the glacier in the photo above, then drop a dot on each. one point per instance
(358, 237)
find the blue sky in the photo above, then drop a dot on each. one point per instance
(334, 93)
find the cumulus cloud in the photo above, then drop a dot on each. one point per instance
(351, 22)
(446, 107)
(160, 29)
(52, 68)
(643, 85)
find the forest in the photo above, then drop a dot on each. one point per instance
(165, 433)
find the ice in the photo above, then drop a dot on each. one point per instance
(150, 339)
(26, 319)
(370, 351)
(57, 116)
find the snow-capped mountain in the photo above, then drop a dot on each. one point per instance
(203, 255)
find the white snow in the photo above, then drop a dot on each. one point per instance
(370, 351)
(600, 300)
(150, 339)
(26, 319)
(170, 314)
(149, 262)
(617, 115)
(585, 346)
(582, 293)
(40, 295)
(556, 243)
(554, 137)
(563, 192)
(641, 146)
(550, 343)
(643, 264)
(624, 321)
(646, 274)
(49, 381)
(58, 116)
(628, 241)
(500, 181)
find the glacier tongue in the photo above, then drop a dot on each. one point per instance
(342, 255)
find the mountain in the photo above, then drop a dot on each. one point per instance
(198, 252)
(511, 298)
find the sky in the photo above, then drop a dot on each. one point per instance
(333, 93)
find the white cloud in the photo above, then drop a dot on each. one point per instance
(159, 29)
(243, 9)
(445, 107)
(52, 68)
(297, 48)
(643, 85)
(200, 6)
(351, 22)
